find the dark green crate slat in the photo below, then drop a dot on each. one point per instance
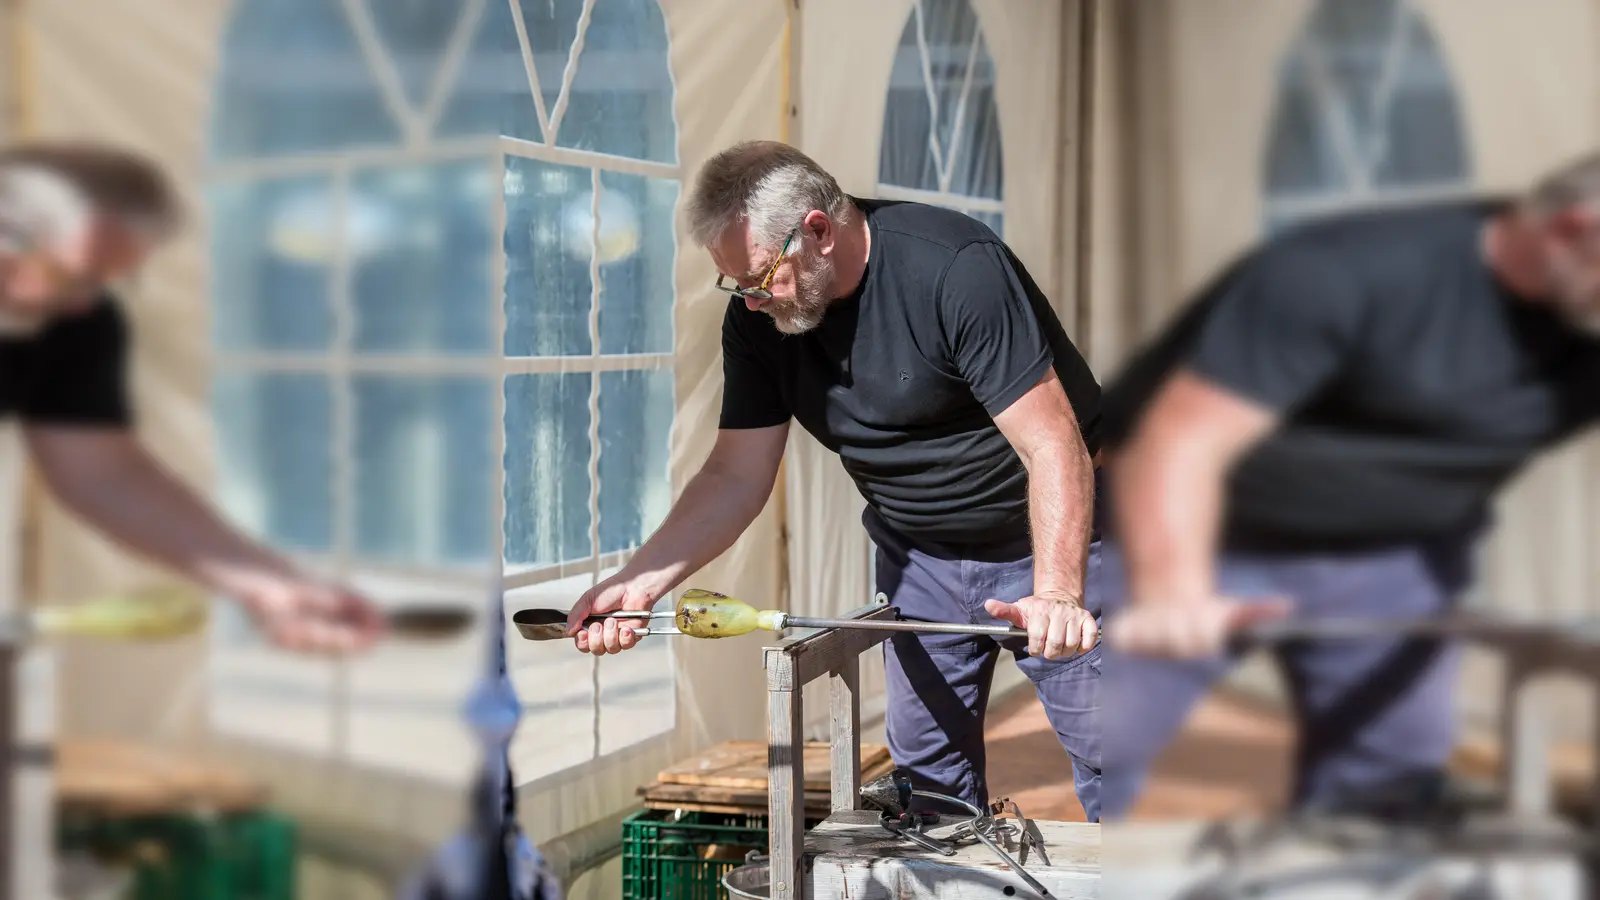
(660, 859)
(234, 857)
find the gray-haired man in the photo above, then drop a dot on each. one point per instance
(1324, 432)
(73, 218)
(911, 341)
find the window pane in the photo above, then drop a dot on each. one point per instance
(293, 80)
(492, 95)
(420, 242)
(275, 437)
(549, 234)
(547, 469)
(552, 25)
(414, 32)
(638, 249)
(635, 427)
(270, 264)
(952, 60)
(621, 100)
(556, 685)
(421, 469)
(1366, 124)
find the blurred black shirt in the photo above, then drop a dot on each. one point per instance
(904, 377)
(1411, 383)
(73, 372)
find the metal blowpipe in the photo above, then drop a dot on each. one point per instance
(708, 614)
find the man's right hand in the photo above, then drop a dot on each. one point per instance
(1188, 629)
(614, 635)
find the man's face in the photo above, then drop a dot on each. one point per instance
(1571, 245)
(801, 285)
(66, 276)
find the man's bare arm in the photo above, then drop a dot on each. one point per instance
(716, 506)
(113, 483)
(1043, 429)
(1169, 485)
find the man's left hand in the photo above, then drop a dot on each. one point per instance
(309, 616)
(1057, 624)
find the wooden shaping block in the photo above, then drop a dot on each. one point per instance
(743, 764)
(853, 857)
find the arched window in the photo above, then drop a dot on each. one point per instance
(1366, 114)
(941, 130)
(442, 261)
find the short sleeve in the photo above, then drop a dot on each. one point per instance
(82, 377)
(1282, 329)
(998, 345)
(751, 397)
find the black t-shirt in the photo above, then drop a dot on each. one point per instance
(1411, 384)
(903, 378)
(74, 372)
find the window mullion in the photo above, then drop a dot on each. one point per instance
(343, 440)
(594, 391)
(497, 316)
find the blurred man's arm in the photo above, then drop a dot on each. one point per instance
(1284, 327)
(1169, 484)
(103, 475)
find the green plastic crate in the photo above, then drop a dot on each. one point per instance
(191, 857)
(661, 854)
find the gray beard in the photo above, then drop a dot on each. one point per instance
(810, 304)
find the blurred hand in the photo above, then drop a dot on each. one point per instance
(614, 635)
(1057, 624)
(309, 616)
(1189, 629)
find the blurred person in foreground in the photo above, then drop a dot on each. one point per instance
(912, 342)
(75, 218)
(1322, 434)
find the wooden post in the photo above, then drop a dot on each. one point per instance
(786, 798)
(1525, 768)
(845, 696)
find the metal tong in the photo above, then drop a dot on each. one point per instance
(892, 794)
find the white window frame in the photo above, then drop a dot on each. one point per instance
(340, 360)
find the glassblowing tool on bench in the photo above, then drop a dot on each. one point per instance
(891, 796)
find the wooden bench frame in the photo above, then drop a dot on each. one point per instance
(792, 664)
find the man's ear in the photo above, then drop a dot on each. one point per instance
(821, 229)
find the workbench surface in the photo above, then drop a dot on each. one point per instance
(853, 857)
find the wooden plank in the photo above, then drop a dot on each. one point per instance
(752, 800)
(798, 661)
(853, 857)
(743, 764)
(1524, 735)
(785, 797)
(845, 730)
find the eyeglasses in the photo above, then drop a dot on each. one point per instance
(760, 291)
